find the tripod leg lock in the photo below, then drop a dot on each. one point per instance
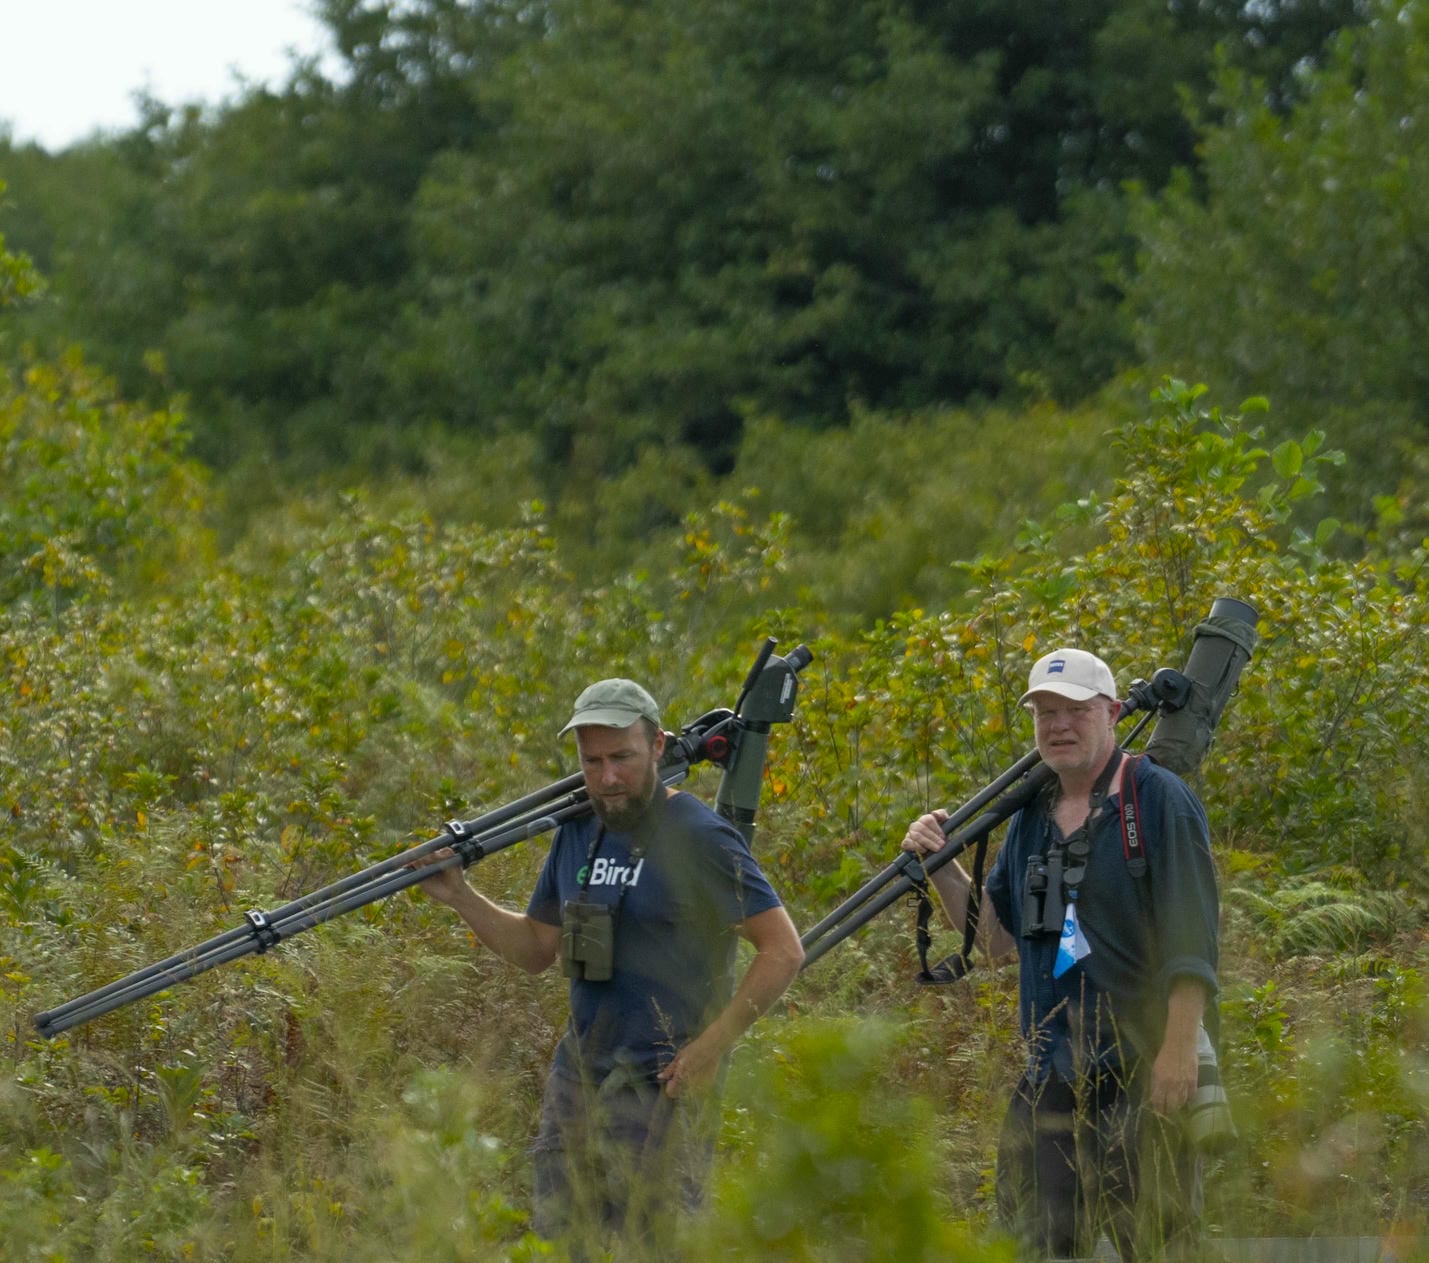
(262, 930)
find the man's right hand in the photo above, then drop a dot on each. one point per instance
(444, 885)
(925, 835)
(511, 935)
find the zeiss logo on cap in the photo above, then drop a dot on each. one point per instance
(1056, 666)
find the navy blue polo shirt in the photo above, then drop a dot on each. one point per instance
(1144, 931)
(682, 882)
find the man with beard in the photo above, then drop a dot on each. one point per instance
(1113, 915)
(643, 904)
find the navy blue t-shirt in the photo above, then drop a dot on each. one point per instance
(1144, 931)
(692, 881)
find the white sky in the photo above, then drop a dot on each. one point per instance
(69, 67)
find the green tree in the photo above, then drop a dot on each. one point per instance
(693, 210)
(18, 278)
(1299, 270)
(611, 225)
(262, 248)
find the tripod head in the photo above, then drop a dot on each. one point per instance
(1166, 690)
(708, 739)
(738, 740)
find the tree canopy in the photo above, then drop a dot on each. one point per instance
(602, 224)
(1294, 262)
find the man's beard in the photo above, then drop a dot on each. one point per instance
(624, 815)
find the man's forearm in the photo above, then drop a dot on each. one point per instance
(767, 978)
(954, 886)
(1184, 1009)
(778, 954)
(511, 935)
(1173, 1073)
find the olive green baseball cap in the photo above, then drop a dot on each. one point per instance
(613, 704)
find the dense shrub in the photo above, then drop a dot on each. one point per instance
(186, 744)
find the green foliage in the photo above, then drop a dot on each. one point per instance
(1309, 916)
(1325, 1075)
(880, 507)
(613, 226)
(253, 722)
(262, 248)
(1289, 263)
(835, 1166)
(97, 489)
(18, 278)
(1199, 511)
(697, 214)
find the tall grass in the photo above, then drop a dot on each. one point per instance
(347, 677)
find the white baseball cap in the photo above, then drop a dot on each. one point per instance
(1073, 673)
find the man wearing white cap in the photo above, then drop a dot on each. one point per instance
(1105, 889)
(642, 903)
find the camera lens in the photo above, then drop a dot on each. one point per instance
(1208, 1113)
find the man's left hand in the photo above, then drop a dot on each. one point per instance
(1173, 1073)
(1173, 1078)
(694, 1068)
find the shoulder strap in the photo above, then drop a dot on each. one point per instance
(950, 968)
(1132, 846)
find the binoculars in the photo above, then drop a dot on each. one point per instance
(587, 940)
(1043, 908)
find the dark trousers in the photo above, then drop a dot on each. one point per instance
(614, 1159)
(1075, 1161)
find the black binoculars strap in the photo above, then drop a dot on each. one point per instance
(590, 853)
(950, 968)
(637, 853)
(1076, 847)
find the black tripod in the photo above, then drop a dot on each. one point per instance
(1187, 705)
(735, 740)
